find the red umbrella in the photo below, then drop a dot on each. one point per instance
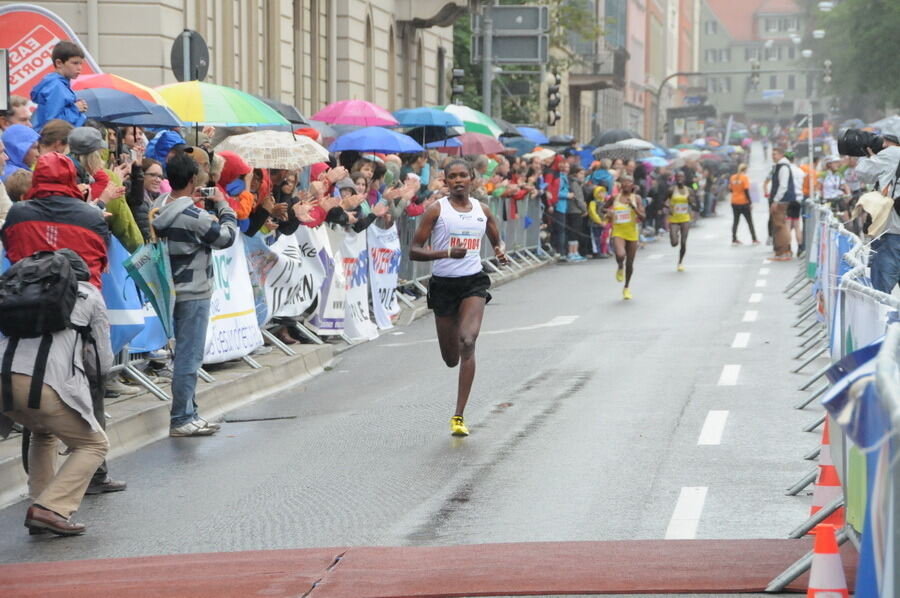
(474, 144)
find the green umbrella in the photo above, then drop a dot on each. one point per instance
(473, 120)
(208, 104)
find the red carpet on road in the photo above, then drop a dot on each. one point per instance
(528, 569)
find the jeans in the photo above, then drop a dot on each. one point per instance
(885, 264)
(191, 322)
(744, 210)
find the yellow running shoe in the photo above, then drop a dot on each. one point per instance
(680, 267)
(458, 426)
(626, 293)
(620, 275)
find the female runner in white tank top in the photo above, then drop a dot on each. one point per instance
(458, 290)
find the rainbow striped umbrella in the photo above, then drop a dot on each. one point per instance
(201, 103)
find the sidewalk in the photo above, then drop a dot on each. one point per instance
(135, 421)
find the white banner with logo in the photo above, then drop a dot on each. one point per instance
(355, 257)
(384, 265)
(329, 317)
(233, 328)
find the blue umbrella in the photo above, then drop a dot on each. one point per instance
(522, 145)
(375, 139)
(109, 104)
(449, 142)
(426, 117)
(159, 117)
(533, 134)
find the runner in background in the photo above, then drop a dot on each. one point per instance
(739, 184)
(679, 208)
(458, 289)
(625, 211)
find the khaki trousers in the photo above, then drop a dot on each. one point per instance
(781, 233)
(60, 491)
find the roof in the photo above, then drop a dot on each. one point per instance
(739, 18)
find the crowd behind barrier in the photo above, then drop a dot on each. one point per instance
(862, 395)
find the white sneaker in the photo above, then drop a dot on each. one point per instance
(197, 427)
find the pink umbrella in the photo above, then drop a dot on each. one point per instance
(473, 144)
(355, 112)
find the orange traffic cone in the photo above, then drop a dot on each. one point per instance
(828, 485)
(826, 578)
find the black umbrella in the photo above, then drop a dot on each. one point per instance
(509, 130)
(289, 112)
(612, 136)
(561, 140)
(432, 133)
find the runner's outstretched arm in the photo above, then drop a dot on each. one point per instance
(493, 235)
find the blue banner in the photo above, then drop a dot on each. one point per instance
(123, 306)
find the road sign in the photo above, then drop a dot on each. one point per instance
(514, 49)
(776, 96)
(190, 56)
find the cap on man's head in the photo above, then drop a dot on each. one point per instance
(891, 138)
(346, 183)
(85, 140)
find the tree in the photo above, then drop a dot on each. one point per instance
(861, 41)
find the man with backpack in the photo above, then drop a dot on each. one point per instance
(54, 350)
(883, 170)
(782, 192)
(58, 217)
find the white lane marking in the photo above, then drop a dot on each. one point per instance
(398, 333)
(761, 282)
(686, 516)
(741, 340)
(729, 375)
(750, 315)
(767, 261)
(655, 256)
(713, 428)
(756, 298)
(557, 321)
(763, 271)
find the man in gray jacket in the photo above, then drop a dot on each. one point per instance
(192, 234)
(881, 170)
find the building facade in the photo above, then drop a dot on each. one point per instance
(396, 53)
(733, 34)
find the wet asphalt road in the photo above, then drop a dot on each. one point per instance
(585, 419)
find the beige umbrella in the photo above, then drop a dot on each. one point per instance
(275, 149)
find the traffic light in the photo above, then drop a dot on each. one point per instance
(456, 85)
(553, 100)
(754, 73)
(826, 75)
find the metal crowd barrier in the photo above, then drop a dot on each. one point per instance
(816, 335)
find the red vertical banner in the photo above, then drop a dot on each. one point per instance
(29, 33)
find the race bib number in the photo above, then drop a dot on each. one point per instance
(680, 208)
(468, 240)
(623, 216)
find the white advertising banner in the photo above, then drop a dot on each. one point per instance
(233, 328)
(290, 276)
(355, 259)
(384, 265)
(329, 317)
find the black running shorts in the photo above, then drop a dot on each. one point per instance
(445, 293)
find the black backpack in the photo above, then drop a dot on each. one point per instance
(37, 295)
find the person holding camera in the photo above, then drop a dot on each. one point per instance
(192, 233)
(882, 169)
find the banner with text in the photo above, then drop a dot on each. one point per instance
(384, 266)
(355, 259)
(329, 317)
(233, 328)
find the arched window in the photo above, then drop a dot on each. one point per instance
(392, 69)
(441, 96)
(370, 61)
(420, 74)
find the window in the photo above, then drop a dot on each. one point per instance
(792, 82)
(710, 56)
(712, 27)
(773, 54)
(792, 53)
(725, 85)
(725, 55)
(751, 54)
(783, 24)
(771, 25)
(773, 81)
